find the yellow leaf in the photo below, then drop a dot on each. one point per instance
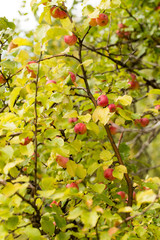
(71, 114)
(22, 42)
(85, 118)
(101, 114)
(125, 100)
(14, 94)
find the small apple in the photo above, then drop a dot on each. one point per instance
(158, 7)
(119, 106)
(50, 81)
(120, 33)
(27, 140)
(70, 39)
(102, 19)
(54, 203)
(11, 46)
(157, 107)
(62, 161)
(113, 129)
(33, 74)
(72, 185)
(72, 120)
(133, 76)
(93, 22)
(112, 107)
(62, 14)
(122, 194)
(2, 79)
(108, 174)
(73, 76)
(102, 100)
(80, 128)
(133, 84)
(144, 122)
(121, 25)
(55, 12)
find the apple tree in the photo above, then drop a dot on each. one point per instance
(80, 123)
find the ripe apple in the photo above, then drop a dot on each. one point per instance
(73, 76)
(120, 33)
(112, 107)
(80, 128)
(11, 46)
(93, 22)
(113, 129)
(72, 185)
(133, 76)
(33, 74)
(121, 25)
(70, 39)
(133, 84)
(158, 7)
(50, 81)
(102, 19)
(62, 14)
(102, 100)
(144, 122)
(2, 79)
(157, 107)
(72, 120)
(54, 202)
(122, 194)
(55, 12)
(62, 161)
(27, 140)
(108, 174)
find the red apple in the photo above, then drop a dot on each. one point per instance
(55, 12)
(121, 25)
(73, 76)
(157, 107)
(62, 14)
(133, 76)
(144, 122)
(2, 79)
(112, 107)
(108, 174)
(33, 74)
(158, 7)
(133, 84)
(70, 39)
(80, 128)
(102, 19)
(119, 106)
(72, 120)
(120, 33)
(72, 185)
(54, 202)
(50, 81)
(93, 22)
(102, 101)
(122, 194)
(113, 129)
(62, 161)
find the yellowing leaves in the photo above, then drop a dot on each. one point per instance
(147, 196)
(125, 100)
(14, 94)
(119, 172)
(22, 42)
(71, 114)
(101, 114)
(85, 118)
(76, 169)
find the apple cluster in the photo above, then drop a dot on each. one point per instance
(101, 20)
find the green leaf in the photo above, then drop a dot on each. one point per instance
(60, 221)
(56, 32)
(12, 222)
(10, 165)
(124, 114)
(154, 91)
(93, 167)
(71, 168)
(89, 218)
(119, 171)
(22, 41)
(71, 114)
(75, 213)
(125, 209)
(81, 171)
(47, 225)
(98, 187)
(147, 196)
(106, 155)
(14, 94)
(32, 233)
